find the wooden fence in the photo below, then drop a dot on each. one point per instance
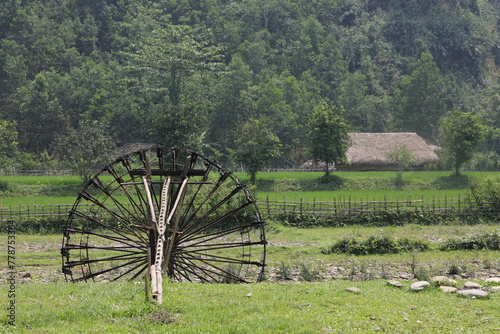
(346, 206)
(338, 207)
(36, 172)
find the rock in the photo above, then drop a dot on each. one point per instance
(472, 285)
(448, 289)
(353, 289)
(493, 280)
(395, 283)
(417, 286)
(25, 275)
(495, 288)
(473, 293)
(405, 276)
(443, 280)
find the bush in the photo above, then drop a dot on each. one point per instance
(38, 226)
(376, 245)
(485, 241)
(486, 192)
(378, 219)
(4, 186)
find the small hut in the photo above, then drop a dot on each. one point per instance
(369, 151)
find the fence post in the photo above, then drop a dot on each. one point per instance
(349, 211)
(301, 205)
(268, 208)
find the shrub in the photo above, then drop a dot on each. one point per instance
(284, 271)
(282, 185)
(486, 192)
(375, 245)
(309, 272)
(485, 241)
(4, 186)
(38, 226)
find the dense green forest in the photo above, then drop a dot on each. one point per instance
(207, 74)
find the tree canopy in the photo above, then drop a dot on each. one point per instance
(328, 135)
(462, 132)
(193, 73)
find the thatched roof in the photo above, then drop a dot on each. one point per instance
(371, 149)
(132, 147)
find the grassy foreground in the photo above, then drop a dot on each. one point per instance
(259, 308)
(324, 306)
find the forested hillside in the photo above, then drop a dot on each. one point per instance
(203, 73)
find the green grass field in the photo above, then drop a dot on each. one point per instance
(290, 186)
(261, 308)
(359, 195)
(47, 304)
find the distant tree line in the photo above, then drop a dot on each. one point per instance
(230, 77)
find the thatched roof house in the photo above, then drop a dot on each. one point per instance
(369, 151)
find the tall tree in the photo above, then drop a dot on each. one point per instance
(87, 149)
(461, 134)
(328, 135)
(256, 146)
(41, 116)
(171, 54)
(422, 100)
(8, 142)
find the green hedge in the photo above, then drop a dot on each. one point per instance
(389, 218)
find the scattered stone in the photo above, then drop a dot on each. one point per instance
(495, 288)
(443, 280)
(25, 275)
(417, 286)
(248, 295)
(405, 276)
(472, 285)
(473, 293)
(448, 289)
(395, 283)
(493, 280)
(353, 289)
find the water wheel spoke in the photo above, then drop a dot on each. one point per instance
(142, 264)
(219, 246)
(126, 232)
(92, 275)
(104, 259)
(130, 250)
(214, 222)
(123, 240)
(194, 227)
(194, 211)
(215, 258)
(218, 234)
(198, 271)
